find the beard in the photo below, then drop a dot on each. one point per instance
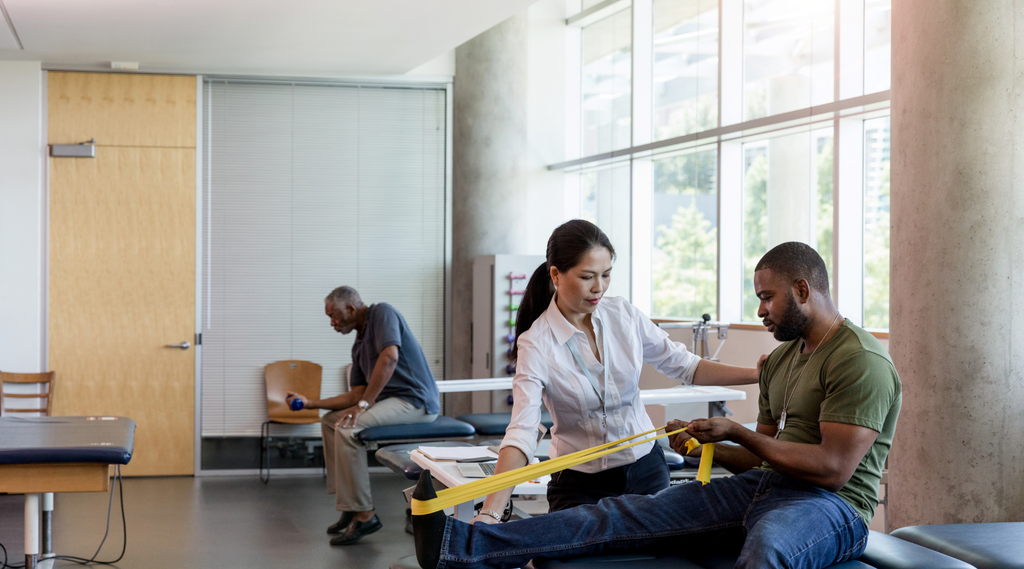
(792, 323)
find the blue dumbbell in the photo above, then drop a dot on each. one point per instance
(297, 404)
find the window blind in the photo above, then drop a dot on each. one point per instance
(306, 188)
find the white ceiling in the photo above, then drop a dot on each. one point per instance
(303, 38)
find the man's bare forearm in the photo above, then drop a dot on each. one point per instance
(735, 458)
(338, 402)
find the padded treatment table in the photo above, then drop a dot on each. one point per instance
(59, 454)
(442, 428)
(492, 424)
(984, 546)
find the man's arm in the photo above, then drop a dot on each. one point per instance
(733, 458)
(828, 465)
(387, 360)
(343, 401)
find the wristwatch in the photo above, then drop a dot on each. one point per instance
(364, 405)
(491, 513)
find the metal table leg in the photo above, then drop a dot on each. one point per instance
(718, 409)
(47, 526)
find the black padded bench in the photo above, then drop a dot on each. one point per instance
(985, 546)
(882, 552)
(493, 424)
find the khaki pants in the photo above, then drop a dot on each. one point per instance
(345, 455)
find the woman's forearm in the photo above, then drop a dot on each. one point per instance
(714, 373)
(509, 458)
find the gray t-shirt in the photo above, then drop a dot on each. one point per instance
(412, 379)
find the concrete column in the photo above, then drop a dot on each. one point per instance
(489, 205)
(957, 254)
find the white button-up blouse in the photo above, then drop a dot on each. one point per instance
(546, 370)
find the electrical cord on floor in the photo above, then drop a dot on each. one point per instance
(82, 560)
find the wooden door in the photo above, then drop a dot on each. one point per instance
(122, 258)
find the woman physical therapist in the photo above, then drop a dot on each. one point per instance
(581, 353)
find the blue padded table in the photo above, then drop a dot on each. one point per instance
(59, 454)
(442, 428)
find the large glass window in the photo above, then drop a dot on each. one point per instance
(876, 223)
(605, 202)
(607, 72)
(787, 196)
(877, 44)
(684, 219)
(788, 61)
(685, 67)
(698, 205)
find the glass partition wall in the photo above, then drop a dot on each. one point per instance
(736, 125)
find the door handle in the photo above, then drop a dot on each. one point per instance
(183, 345)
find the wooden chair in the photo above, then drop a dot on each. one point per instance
(281, 377)
(26, 379)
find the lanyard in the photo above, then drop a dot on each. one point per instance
(586, 372)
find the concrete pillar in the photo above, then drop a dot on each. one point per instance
(957, 254)
(489, 206)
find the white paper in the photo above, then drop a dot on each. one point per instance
(457, 453)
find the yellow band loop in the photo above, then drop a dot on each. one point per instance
(472, 490)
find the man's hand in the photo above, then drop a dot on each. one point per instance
(760, 364)
(711, 430)
(292, 395)
(348, 417)
(678, 440)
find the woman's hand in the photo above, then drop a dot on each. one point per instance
(760, 364)
(484, 519)
(678, 440)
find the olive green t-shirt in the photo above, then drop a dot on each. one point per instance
(850, 379)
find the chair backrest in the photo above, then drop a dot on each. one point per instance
(8, 394)
(292, 375)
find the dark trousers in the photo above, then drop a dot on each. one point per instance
(570, 488)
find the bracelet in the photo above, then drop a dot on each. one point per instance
(491, 513)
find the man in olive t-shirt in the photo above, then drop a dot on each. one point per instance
(806, 481)
(850, 379)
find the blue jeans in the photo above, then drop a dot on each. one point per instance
(785, 522)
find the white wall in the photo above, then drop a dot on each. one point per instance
(22, 254)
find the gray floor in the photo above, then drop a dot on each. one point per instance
(218, 522)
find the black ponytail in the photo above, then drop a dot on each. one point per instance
(567, 245)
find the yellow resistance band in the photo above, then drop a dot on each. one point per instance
(472, 490)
